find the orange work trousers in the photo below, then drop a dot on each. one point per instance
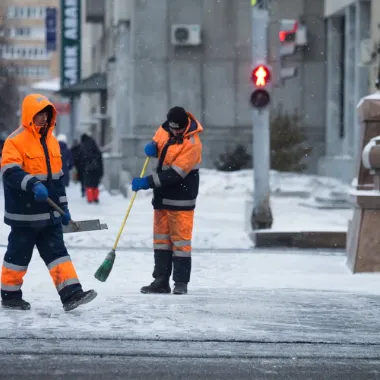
(172, 234)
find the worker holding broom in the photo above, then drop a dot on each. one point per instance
(32, 175)
(175, 185)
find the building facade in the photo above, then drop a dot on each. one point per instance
(24, 36)
(128, 48)
(352, 68)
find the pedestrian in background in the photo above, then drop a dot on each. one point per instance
(92, 168)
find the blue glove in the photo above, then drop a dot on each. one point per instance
(66, 218)
(151, 149)
(140, 184)
(40, 192)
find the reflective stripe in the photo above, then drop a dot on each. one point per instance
(172, 202)
(71, 281)
(57, 175)
(156, 180)
(167, 167)
(63, 199)
(29, 218)
(181, 254)
(167, 247)
(17, 268)
(9, 166)
(180, 171)
(41, 177)
(25, 181)
(161, 236)
(44, 177)
(182, 243)
(11, 288)
(17, 132)
(192, 139)
(58, 261)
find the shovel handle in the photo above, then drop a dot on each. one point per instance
(57, 208)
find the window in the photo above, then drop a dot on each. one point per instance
(33, 71)
(36, 33)
(11, 13)
(26, 12)
(24, 52)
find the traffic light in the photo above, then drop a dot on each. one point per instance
(261, 79)
(292, 34)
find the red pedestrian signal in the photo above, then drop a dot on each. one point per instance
(260, 76)
(288, 34)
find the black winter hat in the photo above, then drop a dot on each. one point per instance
(177, 115)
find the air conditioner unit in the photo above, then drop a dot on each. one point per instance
(186, 34)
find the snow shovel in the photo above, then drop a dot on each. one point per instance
(105, 269)
(81, 226)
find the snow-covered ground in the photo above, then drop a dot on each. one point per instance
(234, 288)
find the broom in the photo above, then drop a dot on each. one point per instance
(105, 269)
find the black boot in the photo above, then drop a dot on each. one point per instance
(180, 288)
(158, 286)
(79, 298)
(16, 304)
(161, 273)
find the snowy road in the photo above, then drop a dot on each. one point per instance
(30, 367)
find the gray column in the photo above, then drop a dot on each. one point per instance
(362, 31)
(334, 79)
(123, 67)
(349, 85)
(74, 118)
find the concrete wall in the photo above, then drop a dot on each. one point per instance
(212, 80)
(347, 81)
(307, 91)
(375, 35)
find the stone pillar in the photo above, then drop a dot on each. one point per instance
(369, 117)
(334, 80)
(363, 240)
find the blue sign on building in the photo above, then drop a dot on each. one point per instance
(51, 29)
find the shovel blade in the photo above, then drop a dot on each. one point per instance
(84, 225)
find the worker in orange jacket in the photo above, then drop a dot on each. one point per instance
(31, 169)
(175, 185)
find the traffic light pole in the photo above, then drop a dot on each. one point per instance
(262, 215)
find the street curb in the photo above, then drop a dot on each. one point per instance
(299, 239)
(154, 348)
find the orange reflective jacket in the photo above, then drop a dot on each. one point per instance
(31, 156)
(176, 181)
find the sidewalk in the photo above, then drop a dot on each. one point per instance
(233, 297)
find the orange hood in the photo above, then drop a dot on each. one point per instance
(32, 105)
(194, 125)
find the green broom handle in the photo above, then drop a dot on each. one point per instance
(130, 207)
